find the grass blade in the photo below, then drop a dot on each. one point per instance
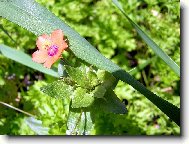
(25, 59)
(38, 20)
(158, 51)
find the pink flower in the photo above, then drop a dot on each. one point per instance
(50, 48)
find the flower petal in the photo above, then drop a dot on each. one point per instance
(58, 55)
(57, 37)
(42, 41)
(50, 60)
(40, 56)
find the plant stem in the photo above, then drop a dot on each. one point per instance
(5, 104)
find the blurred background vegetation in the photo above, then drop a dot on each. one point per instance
(102, 24)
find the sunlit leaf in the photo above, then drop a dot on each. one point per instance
(93, 79)
(58, 89)
(107, 78)
(79, 123)
(36, 126)
(79, 75)
(61, 69)
(99, 91)
(82, 98)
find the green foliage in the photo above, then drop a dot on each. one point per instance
(113, 124)
(146, 115)
(52, 112)
(97, 85)
(81, 76)
(109, 103)
(80, 47)
(58, 89)
(81, 98)
(93, 94)
(158, 51)
(114, 37)
(80, 123)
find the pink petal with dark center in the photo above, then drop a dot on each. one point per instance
(57, 39)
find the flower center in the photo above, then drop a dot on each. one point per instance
(53, 50)
(46, 44)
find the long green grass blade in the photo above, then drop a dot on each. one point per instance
(25, 59)
(37, 19)
(158, 51)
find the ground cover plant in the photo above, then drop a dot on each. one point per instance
(118, 75)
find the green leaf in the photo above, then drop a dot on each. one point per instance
(58, 89)
(107, 78)
(79, 75)
(110, 103)
(82, 98)
(25, 59)
(38, 20)
(94, 81)
(99, 91)
(158, 51)
(36, 126)
(79, 123)
(84, 76)
(61, 69)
